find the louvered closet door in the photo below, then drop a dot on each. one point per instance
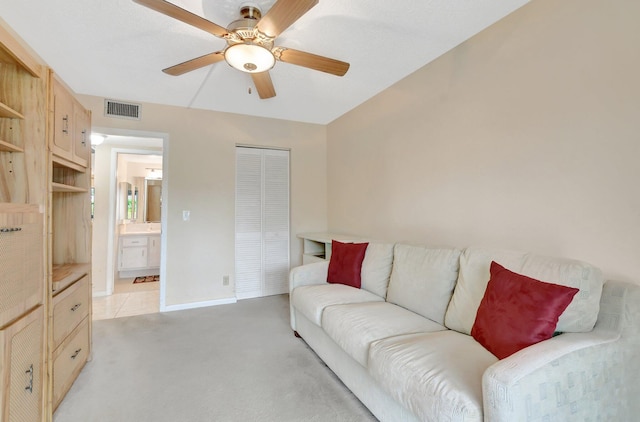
(262, 222)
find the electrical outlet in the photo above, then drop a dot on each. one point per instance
(225, 280)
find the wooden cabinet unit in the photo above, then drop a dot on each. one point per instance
(45, 236)
(70, 228)
(70, 143)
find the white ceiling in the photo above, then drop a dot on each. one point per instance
(117, 48)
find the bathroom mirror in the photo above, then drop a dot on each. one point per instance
(127, 201)
(153, 200)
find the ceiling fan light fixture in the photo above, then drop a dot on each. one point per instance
(249, 57)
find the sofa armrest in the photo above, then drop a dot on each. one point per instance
(306, 275)
(574, 376)
(309, 274)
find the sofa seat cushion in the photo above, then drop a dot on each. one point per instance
(355, 326)
(437, 376)
(312, 300)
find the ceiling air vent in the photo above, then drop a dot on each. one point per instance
(121, 110)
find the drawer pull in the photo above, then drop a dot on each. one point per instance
(10, 229)
(75, 307)
(29, 371)
(76, 353)
(65, 127)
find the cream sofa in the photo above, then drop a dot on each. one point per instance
(401, 343)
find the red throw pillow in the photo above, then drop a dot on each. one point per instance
(346, 262)
(518, 311)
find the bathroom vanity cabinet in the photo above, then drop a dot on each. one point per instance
(139, 252)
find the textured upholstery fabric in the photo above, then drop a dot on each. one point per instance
(312, 300)
(352, 374)
(305, 275)
(376, 268)
(574, 376)
(355, 326)
(438, 376)
(518, 311)
(422, 279)
(345, 265)
(580, 315)
(588, 376)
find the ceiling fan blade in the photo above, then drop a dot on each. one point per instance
(183, 15)
(312, 61)
(282, 15)
(194, 64)
(263, 84)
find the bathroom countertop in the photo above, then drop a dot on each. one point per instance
(141, 233)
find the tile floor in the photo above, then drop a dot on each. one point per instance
(128, 299)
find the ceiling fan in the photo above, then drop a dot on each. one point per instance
(250, 41)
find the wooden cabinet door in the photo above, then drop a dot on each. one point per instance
(21, 364)
(21, 262)
(62, 122)
(82, 135)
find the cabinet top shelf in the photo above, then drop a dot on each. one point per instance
(12, 52)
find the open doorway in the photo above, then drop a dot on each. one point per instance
(128, 252)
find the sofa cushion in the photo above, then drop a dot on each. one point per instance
(376, 268)
(355, 326)
(437, 376)
(518, 311)
(472, 282)
(346, 263)
(580, 315)
(422, 279)
(312, 300)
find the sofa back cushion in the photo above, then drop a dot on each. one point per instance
(422, 279)
(580, 315)
(473, 278)
(376, 268)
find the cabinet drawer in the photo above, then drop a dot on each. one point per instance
(135, 241)
(68, 360)
(21, 263)
(69, 308)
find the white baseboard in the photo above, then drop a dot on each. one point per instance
(193, 305)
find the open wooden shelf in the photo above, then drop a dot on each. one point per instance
(60, 187)
(63, 275)
(59, 162)
(6, 146)
(6, 111)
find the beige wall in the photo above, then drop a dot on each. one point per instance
(200, 168)
(525, 137)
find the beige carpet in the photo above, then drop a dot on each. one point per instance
(232, 363)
